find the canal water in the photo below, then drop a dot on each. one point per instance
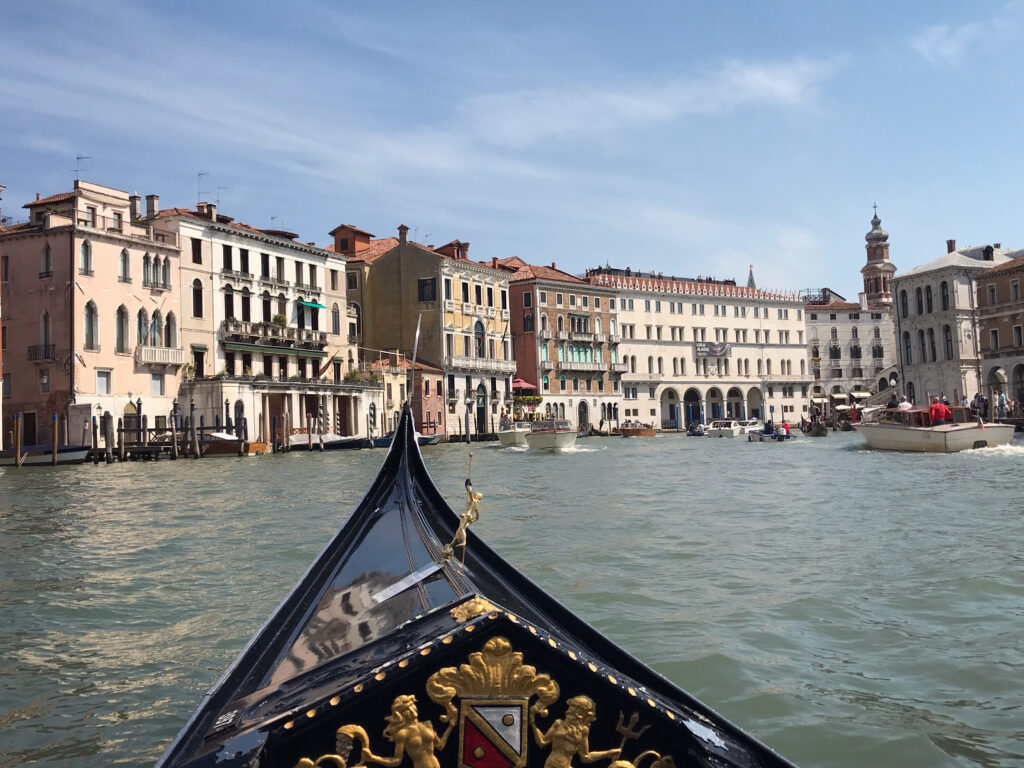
(848, 607)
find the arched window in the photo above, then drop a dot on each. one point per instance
(675, 366)
(246, 315)
(597, 325)
(920, 301)
(815, 352)
(527, 323)
(921, 347)
(632, 364)
(877, 332)
(661, 366)
(229, 302)
(121, 330)
(85, 258)
(760, 367)
(171, 331)
(543, 322)
(91, 327)
(336, 321)
(46, 262)
(834, 334)
(124, 267)
(907, 356)
(931, 343)
(855, 332)
(156, 330)
(561, 353)
(947, 335)
(282, 306)
(267, 311)
(142, 328)
(561, 383)
(768, 367)
(44, 328)
(197, 298)
(803, 367)
(928, 298)
(944, 295)
(904, 310)
(479, 339)
(682, 366)
(561, 323)
(611, 326)
(547, 384)
(167, 273)
(650, 363)
(147, 271)
(543, 352)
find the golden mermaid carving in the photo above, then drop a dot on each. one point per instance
(571, 736)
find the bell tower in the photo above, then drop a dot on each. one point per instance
(879, 270)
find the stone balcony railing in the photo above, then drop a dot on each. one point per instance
(270, 334)
(619, 367)
(577, 365)
(562, 335)
(479, 364)
(160, 355)
(614, 338)
(600, 337)
(581, 336)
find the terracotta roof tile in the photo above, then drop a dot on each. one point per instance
(844, 305)
(59, 198)
(1010, 266)
(374, 250)
(537, 272)
(24, 226)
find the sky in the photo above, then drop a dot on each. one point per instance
(681, 137)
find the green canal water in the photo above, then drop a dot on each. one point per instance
(848, 607)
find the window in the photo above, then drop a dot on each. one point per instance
(44, 381)
(527, 321)
(102, 382)
(490, 296)
(928, 298)
(336, 320)
(931, 343)
(504, 299)
(478, 338)
(465, 295)
(265, 265)
(91, 327)
(921, 347)
(157, 385)
(5, 268)
(121, 330)
(919, 300)
(46, 263)
(947, 338)
(228, 262)
(197, 298)
(558, 299)
(527, 299)
(243, 258)
(197, 253)
(903, 304)
(246, 315)
(85, 258)
(171, 331)
(993, 340)
(229, 302)
(907, 357)
(351, 281)
(991, 294)
(312, 275)
(7, 385)
(267, 311)
(944, 295)
(426, 289)
(1018, 338)
(142, 328)
(572, 299)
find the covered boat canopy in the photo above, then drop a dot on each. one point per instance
(860, 395)
(449, 652)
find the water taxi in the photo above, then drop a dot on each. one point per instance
(410, 643)
(514, 435)
(750, 425)
(636, 429)
(226, 444)
(724, 428)
(911, 430)
(42, 455)
(551, 436)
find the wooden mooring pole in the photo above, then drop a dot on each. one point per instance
(108, 437)
(56, 437)
(95, 441)
(17, 440)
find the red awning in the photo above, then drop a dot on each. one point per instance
(520, 384)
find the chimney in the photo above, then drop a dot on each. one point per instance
(211, 209)
(950, 246)
(403, 231)
(553, 265)
(494, 262)
(201, 208)
(134, 204)
(152, 206)
(464, 251)
(997, 245)
(37, 195)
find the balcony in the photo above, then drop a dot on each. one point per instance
(454, 394)
(619, 367)
(276, 280)
(600, 337)
(42, 352)
(562, 335)
(159, 356)
(581, 336)
(614, 338)
(233, 274)
(504, 314)
(492, 312)
(467, 308)
(484, 364)
(354, 338)
(544, 335)
(117, 225)
(449, 305)
(547, 365)
(274, 336)
(577, 365)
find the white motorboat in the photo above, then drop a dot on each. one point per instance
(724, 428)
(514, 436)
(750, 425)
(42, 455)
(911, 430)
(551, 436)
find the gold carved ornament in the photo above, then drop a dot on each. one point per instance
(467, 518)
(500, 697)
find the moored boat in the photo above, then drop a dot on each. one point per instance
(551, 436)
(409, 642)
(514, 435)
(301, 441)
(385, 440)
(225, 444)
(636, 429)
(724, 428)
(42, 455)
(911, 430)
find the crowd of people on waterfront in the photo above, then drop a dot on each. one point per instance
(1001, 407)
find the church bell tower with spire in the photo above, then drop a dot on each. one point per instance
(879, 270)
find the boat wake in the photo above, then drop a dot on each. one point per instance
(1014, 449)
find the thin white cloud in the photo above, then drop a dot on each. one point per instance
(951, 44)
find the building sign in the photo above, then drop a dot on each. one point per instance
(713, 349)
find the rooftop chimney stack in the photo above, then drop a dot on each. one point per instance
(201, 208)
(134, 204)
(494, 262)
(403, 232)
(553, 265)
(211, 209)
(950, 246)
(152, 206)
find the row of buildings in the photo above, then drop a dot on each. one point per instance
(112, 306)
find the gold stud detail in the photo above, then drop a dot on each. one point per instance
(671, 716)
(425, 652)
(508, 720)
(592, 666)
(651, 702)
(512, 617)
(551, 642)
(403, 664)
(311, 714)
(533, 630)
(612, 680)
(470, 627)
(448, 640)
(492, 616)
(572, 655)
(632, 691)
(289, 725)
(478, 753)
(358, 688)
(335, 701)
(379, 676)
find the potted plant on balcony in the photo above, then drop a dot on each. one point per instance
(279, 320)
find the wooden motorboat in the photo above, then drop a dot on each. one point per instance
(750, 425)
(724, 428)
(225, 444)
(42, 455)
(551, 436)
(385, 440)
(514, 435)
(696, 429)
(636, 429)
(764, 436)
(409, 642)
(911, 430)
